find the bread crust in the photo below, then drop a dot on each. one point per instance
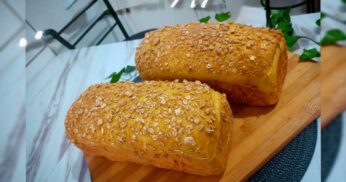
(188, 130)
(247, 63)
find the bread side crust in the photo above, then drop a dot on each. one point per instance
(213, 165)
(252, 94)
(236, 56)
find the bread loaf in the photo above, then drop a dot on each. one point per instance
(181, 126)
(247, 63)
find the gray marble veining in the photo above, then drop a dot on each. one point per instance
(49, 94)
(12, 114)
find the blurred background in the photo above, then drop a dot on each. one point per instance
(333, 93)
(25, 50)
(135, 16)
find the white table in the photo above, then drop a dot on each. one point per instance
(51, 157)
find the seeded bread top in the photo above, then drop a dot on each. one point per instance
(153, 116)
(227, 52)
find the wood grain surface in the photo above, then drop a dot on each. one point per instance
(333, 83)
(258, 133)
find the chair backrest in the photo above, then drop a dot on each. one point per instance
(108, 12)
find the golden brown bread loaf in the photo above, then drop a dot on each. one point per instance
(181, 126)
(247, 63)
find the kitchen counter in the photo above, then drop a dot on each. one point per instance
(50, 92)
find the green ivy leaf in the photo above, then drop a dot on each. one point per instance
(333, 36)
(323, 14)
(205, 19)
(291, 40)
(116, 77)
(129, 69)
(280, 16)
(220, 17)
(318, 22)
(111, 75)
(286, 28)
(308, 54)
(281, 20)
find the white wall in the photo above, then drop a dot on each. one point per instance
(44, 14)
(160, 14)
(143, 15)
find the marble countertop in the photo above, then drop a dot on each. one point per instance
(49, 95)
(50, 92)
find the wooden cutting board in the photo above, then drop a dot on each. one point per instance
(258, 133)
(333, 82)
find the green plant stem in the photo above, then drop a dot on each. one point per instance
(308, 38)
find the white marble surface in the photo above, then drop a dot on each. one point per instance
(12, 110)
(337, 173)
(12, 91)
(50, 93)
(313, 173)
(50, 157)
